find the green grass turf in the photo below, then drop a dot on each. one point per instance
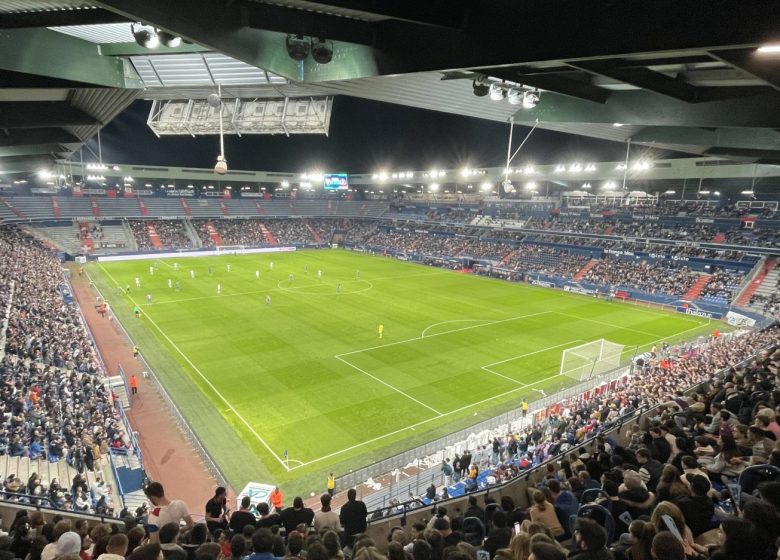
(309, 374)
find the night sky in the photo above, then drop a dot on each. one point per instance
(365, 136)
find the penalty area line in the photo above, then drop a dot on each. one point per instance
(488, 369)
(386, 384)
(205, 379)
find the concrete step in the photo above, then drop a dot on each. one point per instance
(116, 384)
(134, 500)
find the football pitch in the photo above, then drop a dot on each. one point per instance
(288, 390)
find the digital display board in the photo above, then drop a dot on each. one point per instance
(336, 182)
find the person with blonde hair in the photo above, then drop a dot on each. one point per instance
(544, 512)
(369, 553)
(520, 546)
(657, 521)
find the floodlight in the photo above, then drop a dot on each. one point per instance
(748, 192)
(769, 49)
(322, 51)
(480, 90)
(214, 100)
(670, 191)
(514, 96)
(145, 37)
(531, 99)
(168, 39)
(298, 47)
(221, 167)
(497, 93)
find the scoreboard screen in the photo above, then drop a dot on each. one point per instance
(336, 182)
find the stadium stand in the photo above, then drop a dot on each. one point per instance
(678, 460)
(59, 420)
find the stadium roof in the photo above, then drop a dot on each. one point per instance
(678, 75)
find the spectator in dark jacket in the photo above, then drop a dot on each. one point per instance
(353, 515)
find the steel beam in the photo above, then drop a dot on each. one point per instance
(23, 137)
(640, 107)
(224, 28)
(47, 53)
(438, 13)
(740, 138)
(764, 67)
(32, 149)
(550, 82)
(55, 18)
(42, 115)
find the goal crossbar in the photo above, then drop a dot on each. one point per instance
(230, 249)
(591, 359)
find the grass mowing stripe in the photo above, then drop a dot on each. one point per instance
(209, 383)
(277, 364)
(385, 383)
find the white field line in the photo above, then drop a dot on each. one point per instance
(605, 323)
(483, 321)
(293, 289)
(386, 384)
(488, 366)
(209, 383)
(415, 425)
(411, 426)
(636, 308)
(444, 332)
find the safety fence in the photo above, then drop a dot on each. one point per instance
(401, 508)
(429, 456)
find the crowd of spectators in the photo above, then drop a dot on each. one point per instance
(140, 234)
(173, 233)
(290, 232)
(722, 285)
(53, 405)
(234, 232)
(680, 460)
(660, 277)
(663, 495)
(539, 259)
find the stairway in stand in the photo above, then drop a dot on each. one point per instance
(86, 239)
(14, 209)
(765, 280)
(695, 290)
(154, 237)
(314, 234)
(268, 235)
(214, 234)
(95, 208)
(142, 206)
(508, 256)
(584, 270)
(55, 207)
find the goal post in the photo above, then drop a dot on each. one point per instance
(230, 249)
(591, 359)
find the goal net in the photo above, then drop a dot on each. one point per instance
(591, 359)
(230, 249)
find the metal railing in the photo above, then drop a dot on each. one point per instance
(402, 508)
(436, 450)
